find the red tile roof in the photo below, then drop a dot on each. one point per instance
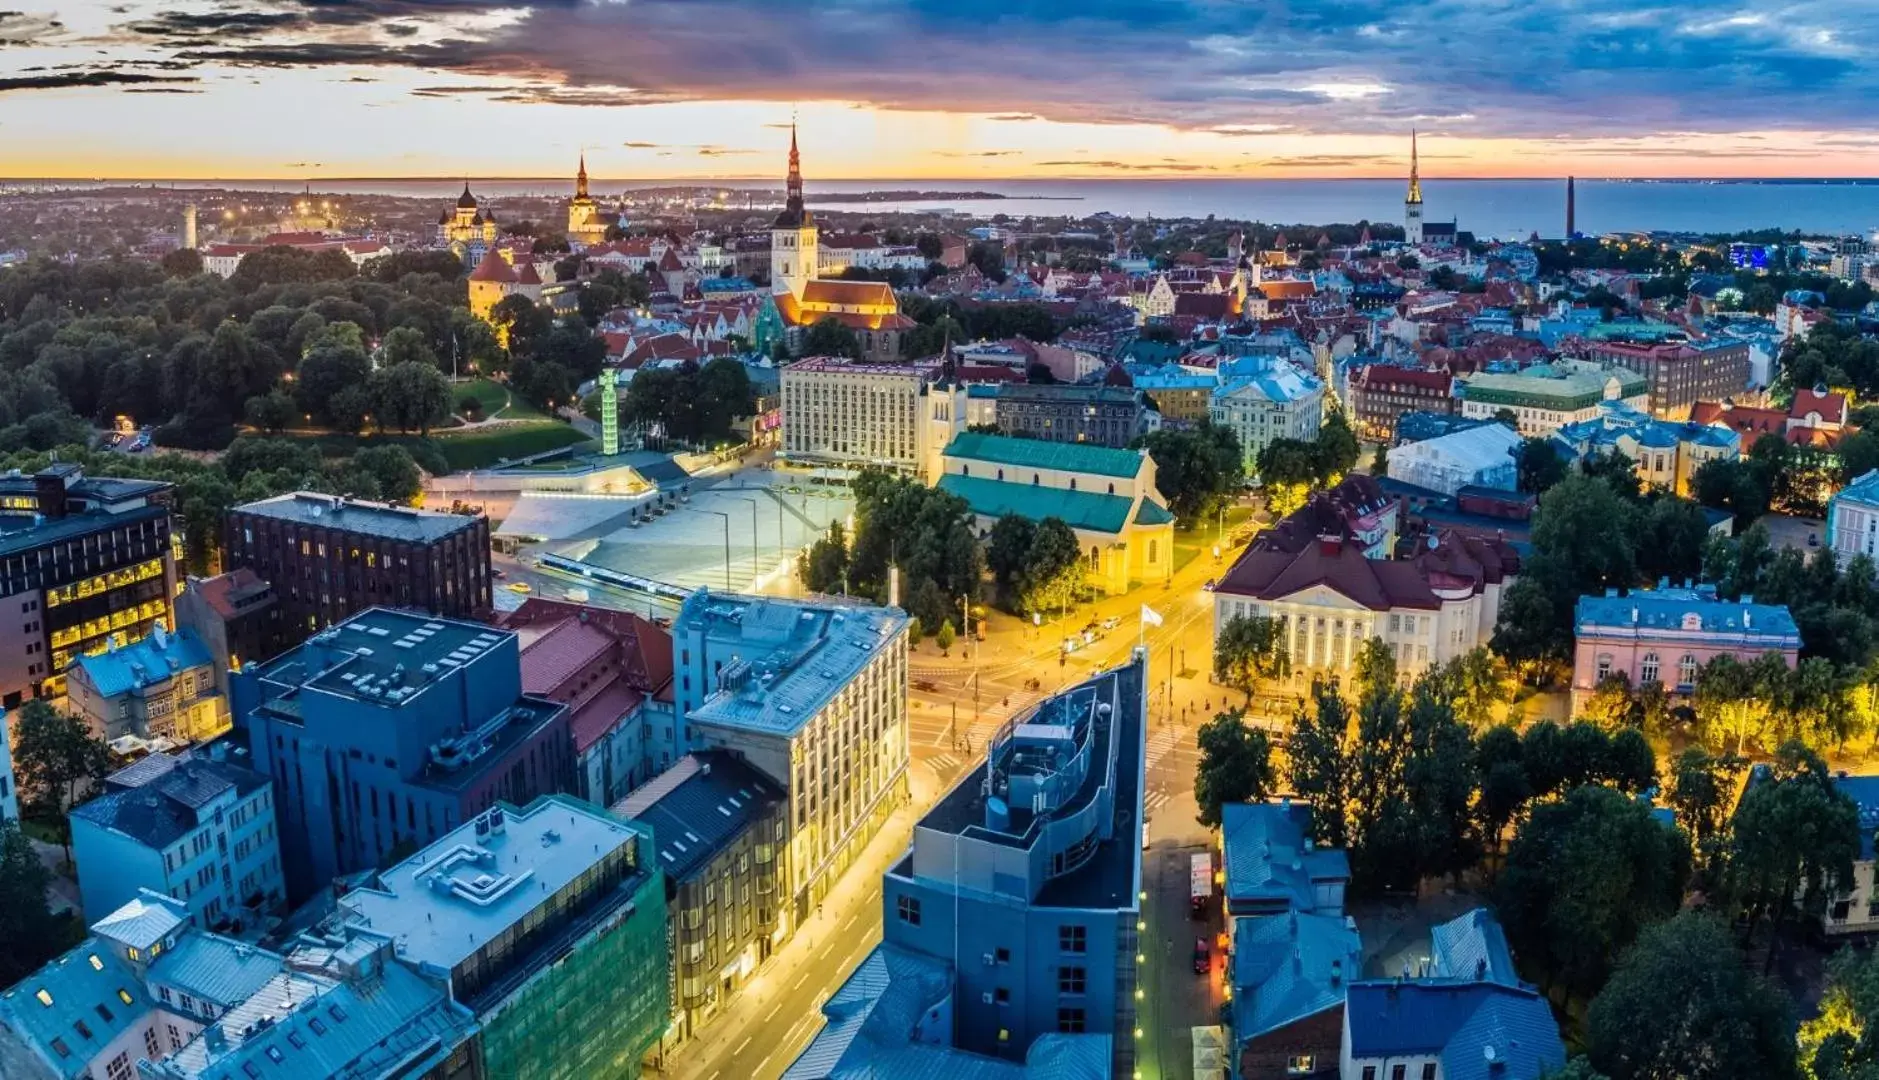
(1831, 406)
(223, 592)
(493, 268)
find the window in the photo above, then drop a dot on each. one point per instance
(254, 1071)
(1070, 1021)
(1397, 1071)
(1428, 1070)
(1686, 670)
(96, 964)
(1604, 666)
(1301, 1065)
(1003, 955)
(1073, 939)
(104, 1013)
(274, 1054)
(294, 1040)
(1840, 909)
(84, 1032)
(45, 998)
(123, 995)
(908, 908)
(319, 1026)
(1001, 996)
(1071, 980)
(119, 1067)
(152, 1048)
(1647, 668)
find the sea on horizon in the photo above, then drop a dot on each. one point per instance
(1486, 207)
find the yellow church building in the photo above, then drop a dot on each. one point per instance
(585, 226)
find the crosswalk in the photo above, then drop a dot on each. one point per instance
(945, 764)
(1154, 801)
(1160, 742)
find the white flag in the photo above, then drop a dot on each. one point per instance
(1151, 616)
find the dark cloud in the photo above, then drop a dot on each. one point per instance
(1592, 68)
(641, 145)
(1126, 166)
(977, 153)
(719, 151)
(69, 79)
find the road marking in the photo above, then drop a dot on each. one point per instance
(803, 978)
(771, 1015)
(1159, 744)
(740, 1046)
(850, 922)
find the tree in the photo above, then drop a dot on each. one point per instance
(1701, 787)
(1505, 790)
(1476, 685)
(1671, 536)
(1248, 650)
(394, 474)
(1842, 1042)
(1337, 448)
(405, 345)
(823, 565)
(335, 361)
(182, 263)
(946, 636)
(29, 933)
(1316, 768)
(1682, 1006)
(828, 337)
(1411, 782)
(409, 395)
(1235, 765)
(272, 412)
(1793, 841)
(1053, 568)
(1198, 471)
(1582, 878)
(1007, 547)
(56, 757)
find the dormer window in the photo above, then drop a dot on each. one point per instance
(45, 998)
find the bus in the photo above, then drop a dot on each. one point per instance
(1200, 883)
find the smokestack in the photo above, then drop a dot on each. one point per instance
(1572, 225)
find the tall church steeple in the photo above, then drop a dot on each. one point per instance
(793, 237)
(1412, 203)
(580, 178)
(794, 201)
(1415, 179)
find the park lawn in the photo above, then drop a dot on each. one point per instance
(478, 448)
(494, 397)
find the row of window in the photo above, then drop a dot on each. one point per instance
(1649, 668)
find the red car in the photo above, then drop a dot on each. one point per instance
(1203, 959)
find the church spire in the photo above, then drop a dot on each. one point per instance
(795, 172)
(1415, 181)
(580, 178)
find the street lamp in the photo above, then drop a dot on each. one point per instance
(726, 518)
(754, 559)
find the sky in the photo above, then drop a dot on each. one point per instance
(937, 89)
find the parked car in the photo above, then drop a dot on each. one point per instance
(1203, 957)
(1111, 623)
(1072, 643)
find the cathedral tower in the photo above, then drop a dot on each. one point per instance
(793, 236)
(1412, 204)
(585, 227)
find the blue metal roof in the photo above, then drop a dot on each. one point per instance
(704, 813)
(218, 969)
(153, 659)
(1473, 946)
(1269, 858)
(1288, 967)
(1667, 609)
(83, 1007)
(872, 1030)
(1458, 1022)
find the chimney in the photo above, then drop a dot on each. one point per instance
(49, 494)
(1330, 544)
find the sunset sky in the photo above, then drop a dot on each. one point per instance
(937, 89)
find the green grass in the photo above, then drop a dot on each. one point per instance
(492, 396)
(483, 447)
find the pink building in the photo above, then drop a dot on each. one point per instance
(1667, 635)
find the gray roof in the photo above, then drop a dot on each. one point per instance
(20, 532)
(1287, 967)
(360, 516)
(712, 798)
(453, 897)
(210, 967)
(793, 657)
(155, 801)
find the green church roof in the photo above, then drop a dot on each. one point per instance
(1038, 454)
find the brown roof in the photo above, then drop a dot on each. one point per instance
(1830, 406)
(1388, 374)
(224, 593)
(526, 275)
(1337, 512)
(1456, 562)
(646, 647)
(493, 268)
(1204, 305)
(826, 291)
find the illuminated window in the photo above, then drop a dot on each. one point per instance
(45, 998)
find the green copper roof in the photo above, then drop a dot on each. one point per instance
(1037, 454)
(1087, 510)
(1152, 513)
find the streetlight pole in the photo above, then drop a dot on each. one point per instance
(726, 518)
(755, 559)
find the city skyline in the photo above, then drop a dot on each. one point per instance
(913, 89)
